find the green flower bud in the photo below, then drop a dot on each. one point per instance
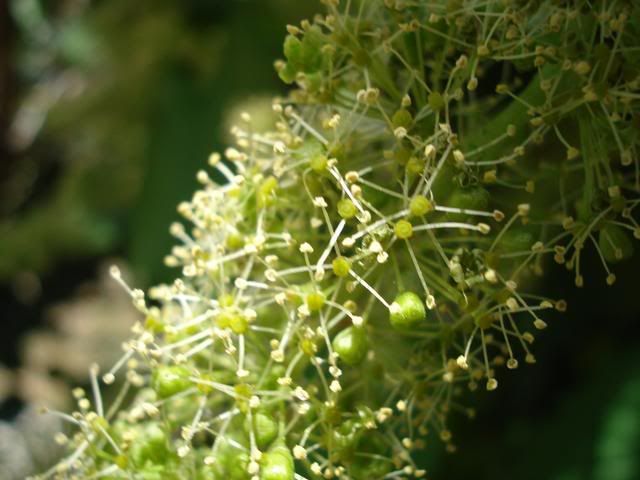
(277, 464)
(351, 344)
(265, 428)
(170, 380)
(407, 311)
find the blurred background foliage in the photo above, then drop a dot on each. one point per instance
(107, 110)
(120, 103)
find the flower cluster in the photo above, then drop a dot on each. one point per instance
(350, 273)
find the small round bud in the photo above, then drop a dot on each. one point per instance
(346, 208)
(400, 133)
(420, 205)
(403, 229)
(299, 452)
(572, 153)
(341, 266)
(429, 151)
(315, 301)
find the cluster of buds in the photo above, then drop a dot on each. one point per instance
(350, 273)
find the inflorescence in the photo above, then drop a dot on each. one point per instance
(350, 273)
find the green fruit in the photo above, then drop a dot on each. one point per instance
(351, 344)
(410, 311)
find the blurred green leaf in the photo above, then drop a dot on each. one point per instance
(618, 448)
